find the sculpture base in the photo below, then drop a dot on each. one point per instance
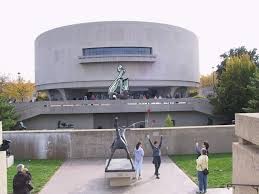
(119, 172)
(120, 182)
(9, 161)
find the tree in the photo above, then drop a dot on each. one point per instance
(42, 96)
(4, 79)
(253, 88)
(20, 90)
(237, 52)
(232, 93)
(169, 121)
(193, 92)
(207, 80)
(7, 114)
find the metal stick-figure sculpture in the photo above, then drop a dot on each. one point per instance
(119, 143)
(119, 82)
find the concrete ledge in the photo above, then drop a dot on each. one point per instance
(247, 127)
(119, 174)
(9, 161)
(3, 172)
(245, 164)
(207, 127)
(120, 182)
(63, 144)
(1, 135)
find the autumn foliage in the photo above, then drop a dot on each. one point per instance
(16, 90)
(207, 80)
(13, 91)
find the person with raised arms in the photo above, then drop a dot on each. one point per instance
(156, 154)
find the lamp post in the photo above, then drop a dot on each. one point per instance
(213, 78)
(19, 77)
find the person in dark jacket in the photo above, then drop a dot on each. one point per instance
(21, 181)
(156, 154)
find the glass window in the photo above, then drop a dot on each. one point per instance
(117, 51)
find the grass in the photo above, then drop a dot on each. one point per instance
(41, 171)
(220, 168)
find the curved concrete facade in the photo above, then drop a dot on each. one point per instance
(60, 64)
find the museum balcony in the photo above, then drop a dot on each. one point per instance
(116, 58)
(28, 110)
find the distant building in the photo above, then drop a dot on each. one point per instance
(206, 91)
(79, 62)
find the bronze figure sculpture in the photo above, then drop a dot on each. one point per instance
(121, 83)
(119, 143)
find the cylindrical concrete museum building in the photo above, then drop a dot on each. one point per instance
(78, 60)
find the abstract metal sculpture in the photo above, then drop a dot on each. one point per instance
(119, 143)
(22, 126)
(121, 83)
(62, 125)
(5, 146)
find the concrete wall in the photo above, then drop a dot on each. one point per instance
(105, 120)
(3, 167)
(245, 167)
(246, 153)
(83, 121)
(80, 121)
(96, 143)
(191, 118)
(57, 52)
(27, 110)
(247, 127)
(88, 114)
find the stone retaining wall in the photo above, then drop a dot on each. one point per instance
(62, 144)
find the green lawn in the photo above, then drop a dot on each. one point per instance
(220, 168)
(41, 171)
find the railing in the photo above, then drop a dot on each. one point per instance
(27, 105)
(256, 187)
(114, 55)
(109, 58)
(28, 109)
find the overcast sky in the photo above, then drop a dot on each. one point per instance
(219, 24)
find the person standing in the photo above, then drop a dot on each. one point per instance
(21, 181)
(139, 154)
(156, 154)
(202, 168)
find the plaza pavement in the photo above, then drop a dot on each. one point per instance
(87, 177)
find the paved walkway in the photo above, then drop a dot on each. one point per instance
(87, 177)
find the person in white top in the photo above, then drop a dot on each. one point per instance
(139, 154)
(202, 171)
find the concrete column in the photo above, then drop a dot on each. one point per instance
(172, 91)
(49, 95)
(3, 168)
(63, 94)
(246, 153)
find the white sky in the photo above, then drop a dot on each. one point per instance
(219, 24)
